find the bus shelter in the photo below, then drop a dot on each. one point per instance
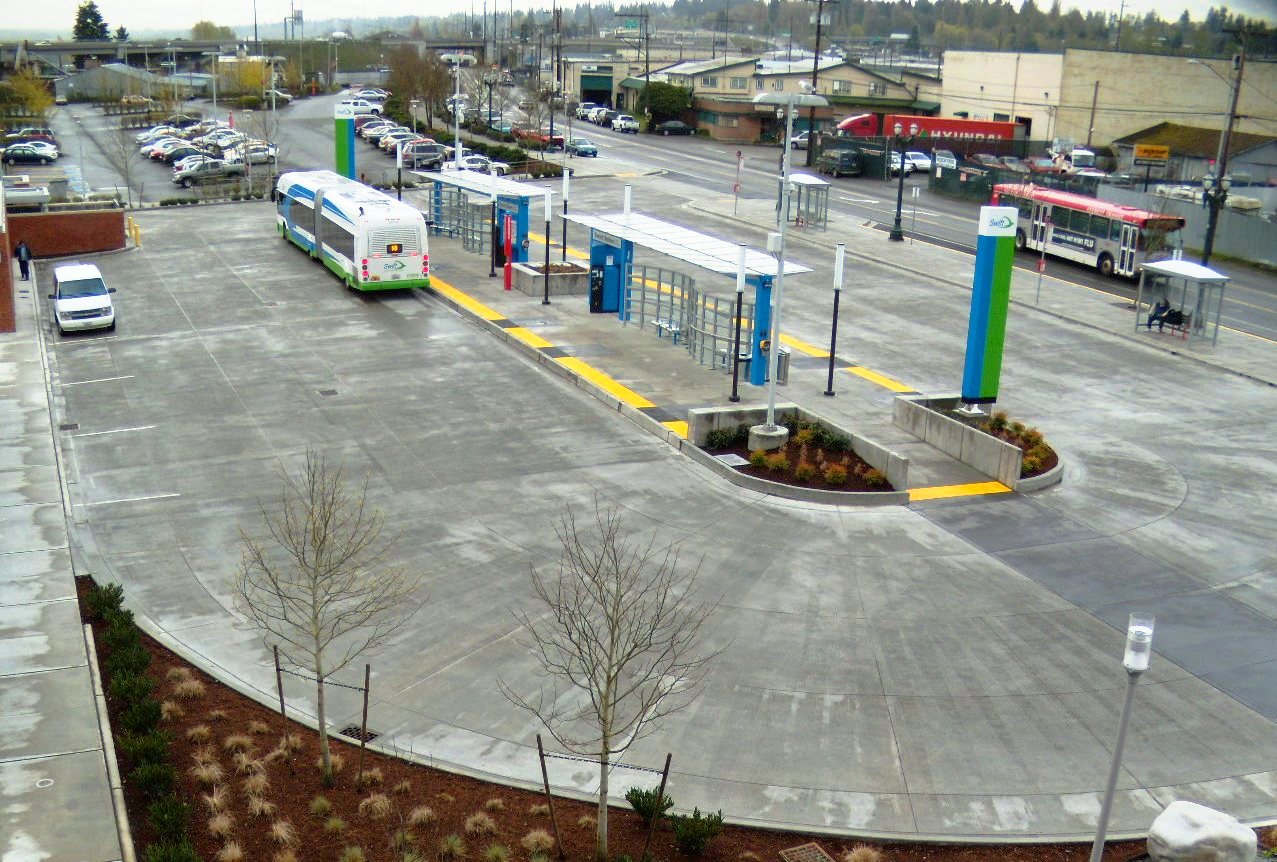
(1194, 291)
(460, 206)
(809, 201)
(704, 323)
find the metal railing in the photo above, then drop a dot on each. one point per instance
(702, 324)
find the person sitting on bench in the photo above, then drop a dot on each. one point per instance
(1158, 314)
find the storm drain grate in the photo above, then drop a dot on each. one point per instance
(354, 732)
(328, 393)
(69, 426)
(806, 853)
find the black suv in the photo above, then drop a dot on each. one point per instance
(424, 156)
(839, 162)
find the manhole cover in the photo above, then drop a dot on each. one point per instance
(731, 459)
(354, 732)
(69, 426)
(806, 853)
(327, 393)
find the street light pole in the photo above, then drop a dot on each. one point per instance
(740, 302)
(897, 231)
(1218, 194)
(833, 329)
(1139, 648)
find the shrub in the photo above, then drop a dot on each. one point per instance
(335, 824)
(1031, 437)
(494, 804)
(997, 422)
(480, 824)
(1017, 428)
(216, 715)
(120, 631)
(237, 742)
(402, 841)
(805, 471)
(169, 851)
(153, 779)
(230, 852)
(875, 478)
(207, 774)
(863, 853)
(496, 853)
(104, 599)
(720, 438)
(369, 778)
(586, 821)
(149, 748)
(758, 458)
(216, 799)
(256, 784)
(693, 833)
(320, 806)
(805, 436)
(171, 710)
(189, 689)
(404, 786)
(777, 462)
(141, 717)
(199, 733)
(1030, 464)
(245, 763)
(835, 474)
(541, 810)
(838, 443)
(221, 825)
(204, 754)
(422, 815)
(351, 854)
(283, 833)
(131, 658)
(169, 817)
(376, 807)
(290, 742)
(338, 762)
(260, 806)
(538, 841)
(646, 804)
(452, 847)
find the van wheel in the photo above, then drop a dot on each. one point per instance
(1105, 265)
(1020, 240)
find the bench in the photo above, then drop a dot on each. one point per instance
(664, 325)
(1182, 328)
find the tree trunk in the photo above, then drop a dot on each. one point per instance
(321, 717)
(600, 840)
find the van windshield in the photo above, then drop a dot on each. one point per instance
(80, 288)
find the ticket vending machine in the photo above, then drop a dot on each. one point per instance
(518, 209)
(610, 259)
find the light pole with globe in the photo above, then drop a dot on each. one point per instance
(897, 232)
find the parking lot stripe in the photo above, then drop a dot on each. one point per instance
(129, 500)
(114, 431)
(99, 380)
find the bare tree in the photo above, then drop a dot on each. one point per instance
(320, 587)
(620, 624)
(121, 153)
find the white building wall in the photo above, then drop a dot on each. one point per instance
(992, 85)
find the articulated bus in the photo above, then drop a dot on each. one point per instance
(369, 239)
(1115, 239)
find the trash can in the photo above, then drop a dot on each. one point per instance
(745, 358)
(782, 365)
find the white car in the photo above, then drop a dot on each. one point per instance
(280, 97)
(799, 141)
(44, 148)
(191, 161)
(921, 161)
(154, 132)
(372, 94)
(625, 123)
(483, 165)
(360, 106)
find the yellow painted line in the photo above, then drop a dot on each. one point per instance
(809, 349)
(972, 489)
(679, 428)
(460, 298)
(604, 382)
(528, 337)
(881, 380)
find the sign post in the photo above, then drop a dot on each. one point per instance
(344, 141)
(990, 298)
(1148, 157)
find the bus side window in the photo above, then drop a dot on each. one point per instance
(1099, 227)
(1025, 206)
(1115, 231)
(1060, 217)
(1080, 222)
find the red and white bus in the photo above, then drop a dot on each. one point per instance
(1115, 239)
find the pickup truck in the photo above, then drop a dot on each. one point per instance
(207, 172)
(539, 138)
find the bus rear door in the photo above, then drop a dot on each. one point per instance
(1126, 251)
(1041, 224)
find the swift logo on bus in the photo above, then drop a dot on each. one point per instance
(395, 264)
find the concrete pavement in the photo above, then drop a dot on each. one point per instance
(946, 669)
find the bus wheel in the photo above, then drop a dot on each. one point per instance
(1105, 265)
(1020, 240)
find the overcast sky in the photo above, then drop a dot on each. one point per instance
(140, 15)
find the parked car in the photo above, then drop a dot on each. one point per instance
(360, 106)
(424, 155)
(921, 161)
(503, 128)
(203, 172)
(81, 299)
(26, 153)
(484, 165)
(674, 127)
(31, 132)
(985, 160)
(1042, 165)
(392, 139)
(44, 147)
(372, 94)
(839, 163)
(280, 97)
(799, 141)
(172, 155)
(625, 123)
(181, 121)
(136, 100)
(582, 147)
(1015, 165)
(895, 165)
(191, 161)
(583, 110)
(153, 133)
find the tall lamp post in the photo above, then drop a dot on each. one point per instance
(1215, 186)
(456, 114)
(897, 232)
(787, 105)
(1139, 648)
(489, 81)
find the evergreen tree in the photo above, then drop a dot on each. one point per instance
(89, 25)
(121, 34)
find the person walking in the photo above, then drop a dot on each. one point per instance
(23, 253)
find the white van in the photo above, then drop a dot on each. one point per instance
(81, 299)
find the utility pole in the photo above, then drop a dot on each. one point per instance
(815, 74)
(1090, 126)
(1217, 192)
